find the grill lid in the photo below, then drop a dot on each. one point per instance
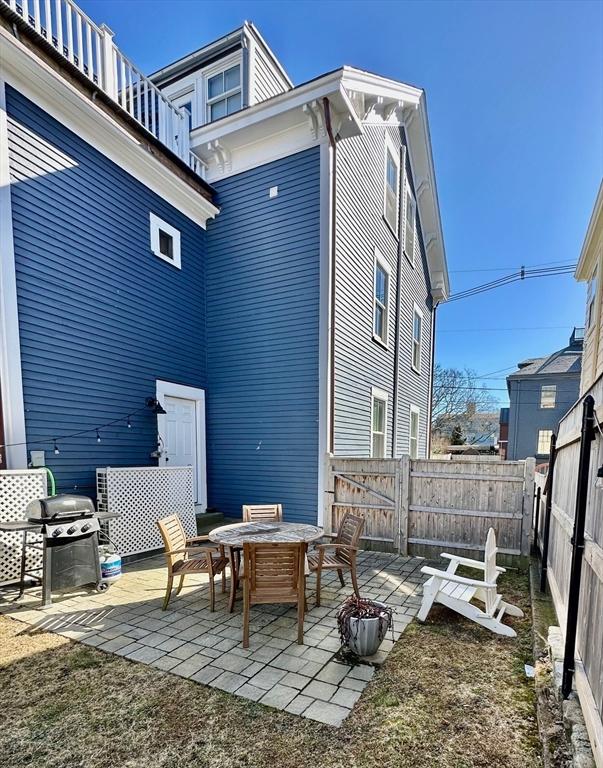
(62, 507)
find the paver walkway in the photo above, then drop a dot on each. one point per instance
(190, 641)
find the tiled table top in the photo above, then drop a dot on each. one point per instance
(190, 641)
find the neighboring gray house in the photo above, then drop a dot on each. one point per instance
(540, 393)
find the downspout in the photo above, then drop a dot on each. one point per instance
(433, 338)
(396, 356)
(573, 605)
(329, 128)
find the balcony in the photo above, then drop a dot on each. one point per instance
(91, 49)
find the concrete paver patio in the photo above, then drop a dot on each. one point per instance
(190, 641)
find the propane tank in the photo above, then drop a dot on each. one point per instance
(110, 563)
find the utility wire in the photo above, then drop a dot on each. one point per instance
(522, 274)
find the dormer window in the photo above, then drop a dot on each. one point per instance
(224, 93)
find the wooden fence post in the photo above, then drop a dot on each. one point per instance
(403, 502)
(329, 494)
(528, 504)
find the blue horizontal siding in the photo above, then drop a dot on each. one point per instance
(100, 317)
(262, 330)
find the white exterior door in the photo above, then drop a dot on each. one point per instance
(182, 431)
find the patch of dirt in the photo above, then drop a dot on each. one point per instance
(451, 695)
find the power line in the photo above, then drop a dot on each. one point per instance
(503, 269)
(489, 330)
(522, 274)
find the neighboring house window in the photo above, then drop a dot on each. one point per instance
(381, 299)
(417, 338)
(410, 219)
(413, 440)
(591, 296)
(544, 441)
(392, 173)
(548, 396)
(165, 240)
(224, 93)
(378, 423)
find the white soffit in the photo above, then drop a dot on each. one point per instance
(586, 262)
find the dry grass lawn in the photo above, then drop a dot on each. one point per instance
(451, 695)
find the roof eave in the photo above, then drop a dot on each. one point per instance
(583, 271)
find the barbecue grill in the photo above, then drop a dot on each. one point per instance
(70, 529)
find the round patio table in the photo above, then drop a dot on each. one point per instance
(234, 536)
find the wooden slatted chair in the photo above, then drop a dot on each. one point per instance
(184, 557)
(274, 573)
(458, 592)
(262, 513)
(340, 554)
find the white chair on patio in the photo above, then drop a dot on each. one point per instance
(458, 592)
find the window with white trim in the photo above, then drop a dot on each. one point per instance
(223, 95)
(165, 240)
(392, 185)
(417, 338)
(378, 423)
(381, 299)
(548, 395)
(591, 295)
(413, 432)
(544, 442)
(410, 221)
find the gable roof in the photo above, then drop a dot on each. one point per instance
(565, 361)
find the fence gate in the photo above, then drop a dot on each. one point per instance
(422, 507)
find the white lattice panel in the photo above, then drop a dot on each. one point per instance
(17, 488)
(141, 496)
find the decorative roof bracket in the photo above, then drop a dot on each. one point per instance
(220, 154)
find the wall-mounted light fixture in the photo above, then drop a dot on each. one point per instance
(155, 406)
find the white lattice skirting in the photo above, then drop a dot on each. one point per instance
(141, 496)
(17, 488)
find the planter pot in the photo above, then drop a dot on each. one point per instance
(366, 635)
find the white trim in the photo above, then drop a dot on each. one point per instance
(379, 260)
(325, 322)
(417, 311)
(413, 409)
(47, 88)
(171, 389)
(156, 224)
(10, 347)
(409, 197)
(379, 394)
(389, 148)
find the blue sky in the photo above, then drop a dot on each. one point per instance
(515, 96)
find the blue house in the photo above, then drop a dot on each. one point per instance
(259, 262)
(541, 391)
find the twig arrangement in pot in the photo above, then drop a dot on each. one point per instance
(363, 625)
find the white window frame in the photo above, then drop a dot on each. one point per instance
(379, 261)
(547, 449)
(157, 224)
(188, 95)
(591, 301)
(416, 312)
(410, 202)
(379, 394)
(544, 401)
(221, 66)
(413, 410)
(391, 149)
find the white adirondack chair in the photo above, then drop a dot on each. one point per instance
(458, 592)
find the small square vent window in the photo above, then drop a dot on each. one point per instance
(165, 240)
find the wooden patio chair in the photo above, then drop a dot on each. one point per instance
(262, 513)
(457, 592)
(184, 557)
(340, 554)
(274, 573)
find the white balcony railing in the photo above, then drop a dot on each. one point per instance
(91, 49)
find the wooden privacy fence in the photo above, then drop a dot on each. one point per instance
(423, 506)
(589, 640)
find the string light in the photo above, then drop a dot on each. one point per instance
(56, 448)
(98, 437)
(129, 425)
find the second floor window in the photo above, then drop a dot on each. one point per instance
(224, 93)
(392, 171)
(380, 300)
(409, 224)
(417, 338)
(591, 296)
(544, 442)
(548, 396)
(413, 431)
